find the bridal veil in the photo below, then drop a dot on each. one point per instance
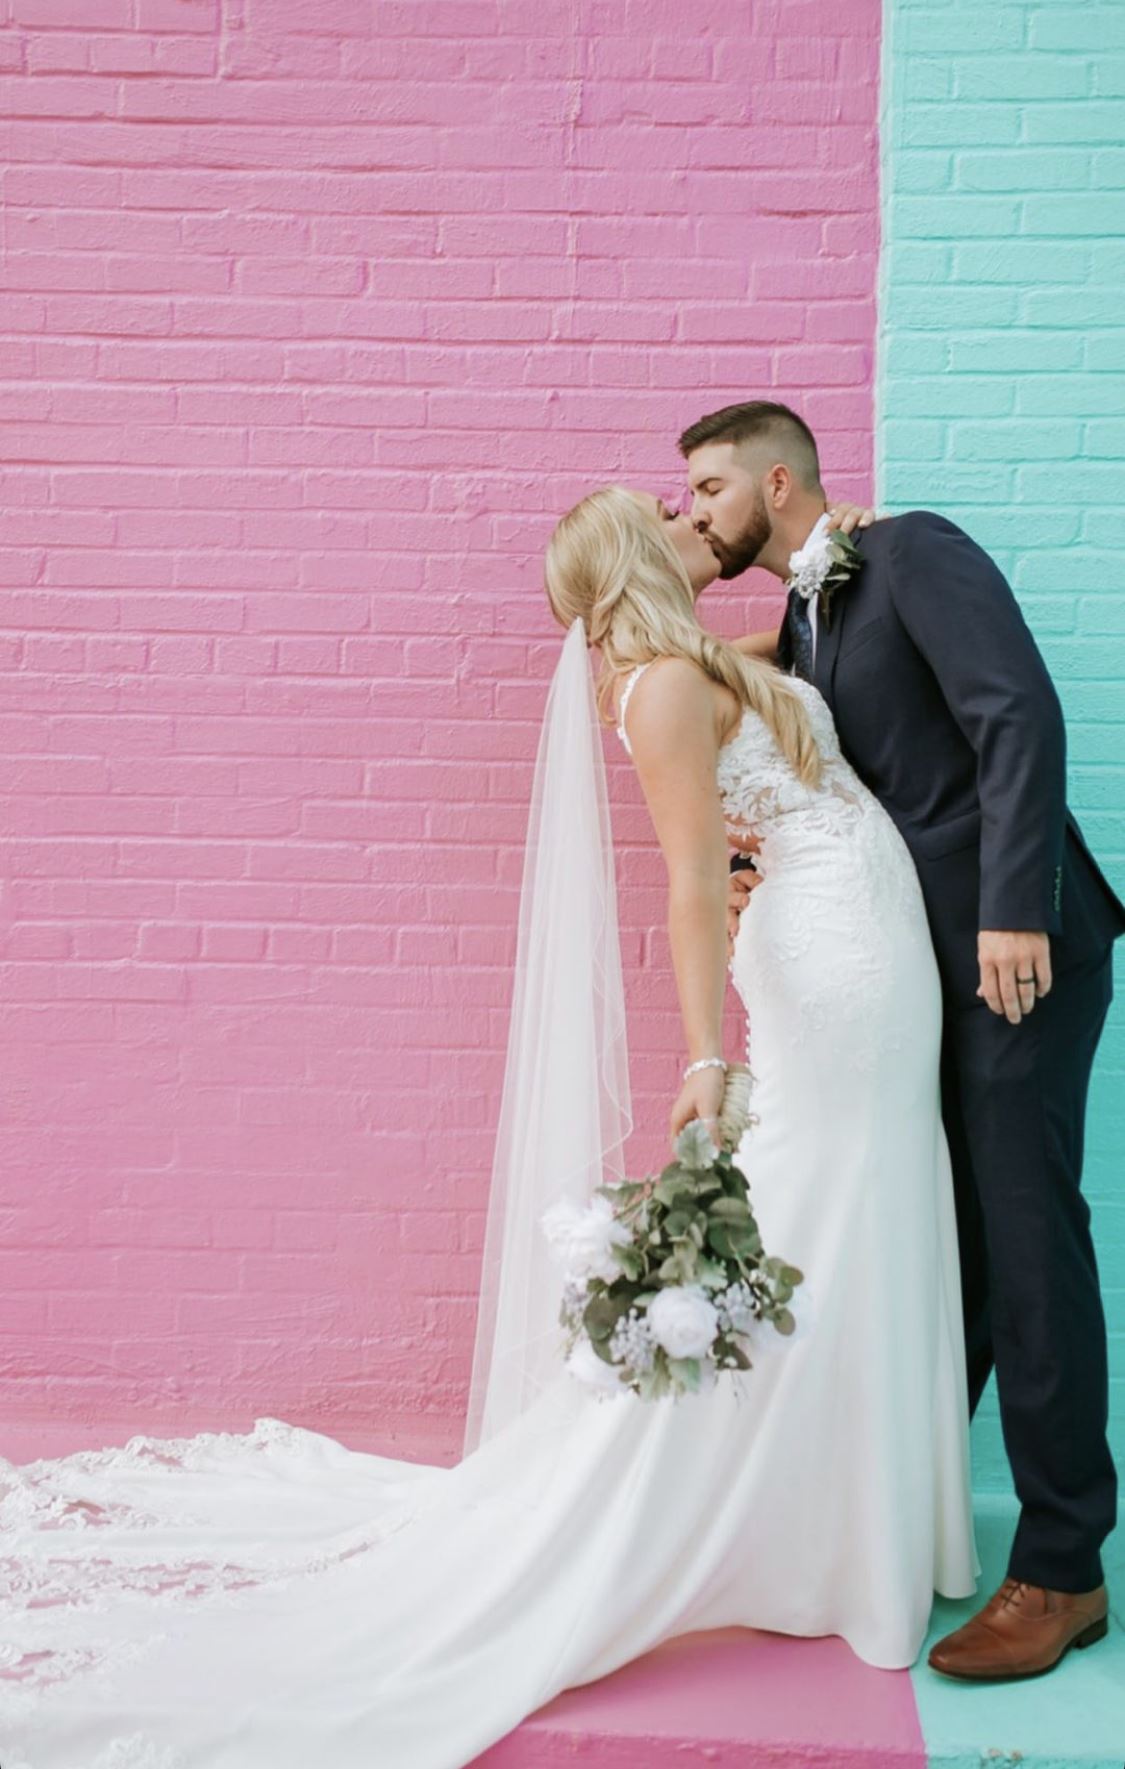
(565, 1111)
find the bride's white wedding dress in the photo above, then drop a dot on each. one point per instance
(273, 1599)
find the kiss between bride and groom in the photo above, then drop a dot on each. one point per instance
(924, 958)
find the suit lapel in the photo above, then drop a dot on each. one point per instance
(828, 645)
(784, 643)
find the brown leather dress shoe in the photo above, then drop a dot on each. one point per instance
(1022, 1631)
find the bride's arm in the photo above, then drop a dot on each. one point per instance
(759, 644)
(672, 726)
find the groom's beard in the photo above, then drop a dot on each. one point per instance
(737, 555)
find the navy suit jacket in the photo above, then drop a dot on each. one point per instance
(946, 711)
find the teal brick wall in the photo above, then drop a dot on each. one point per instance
(1002, 404)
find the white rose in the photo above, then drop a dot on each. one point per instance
(683, 1320)
(581, 1238)
(584, 1363)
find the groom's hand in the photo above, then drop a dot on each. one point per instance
(1015, 971)
(742, 883)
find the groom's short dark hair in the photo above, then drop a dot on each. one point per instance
(759, 420)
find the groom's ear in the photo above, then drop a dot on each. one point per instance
(778, 486)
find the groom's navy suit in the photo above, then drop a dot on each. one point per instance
(945, 709)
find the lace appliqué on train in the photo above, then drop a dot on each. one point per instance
(55, 1573)
(129, 1751)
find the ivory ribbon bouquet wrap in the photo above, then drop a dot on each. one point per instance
(666, 1278)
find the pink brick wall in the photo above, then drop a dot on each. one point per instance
(315, 317)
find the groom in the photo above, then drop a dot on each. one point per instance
(945, 709)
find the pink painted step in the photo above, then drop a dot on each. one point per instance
(735, 1697)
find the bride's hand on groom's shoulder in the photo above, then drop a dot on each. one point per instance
(849, 517)
(701, 1096)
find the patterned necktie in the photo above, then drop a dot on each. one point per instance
(800, 635)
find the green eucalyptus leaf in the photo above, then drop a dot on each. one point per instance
(672, 1192)
(678, 1221)
(679, 1268)
(711, 1274)
(601, 1315)
(695, 1146)
(686, 1371)
(742, 1238)
(730, 1209)
(601, 1346)
(623, 1192)
(655, 1381)
(719, 1240)
(630, 1259)
(647, 1384)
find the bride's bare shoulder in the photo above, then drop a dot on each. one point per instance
(672, 691)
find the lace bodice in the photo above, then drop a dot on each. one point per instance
(819, 845)
(760, 791)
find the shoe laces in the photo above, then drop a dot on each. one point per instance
(1011, 1592)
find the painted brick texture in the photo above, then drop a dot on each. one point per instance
(1002, 388)
(314, 319)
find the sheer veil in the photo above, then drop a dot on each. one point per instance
(565, 1110)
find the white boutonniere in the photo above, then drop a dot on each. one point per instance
(823, 565)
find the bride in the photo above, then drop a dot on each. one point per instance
(269, 1599)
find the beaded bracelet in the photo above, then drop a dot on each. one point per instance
(705, 1062)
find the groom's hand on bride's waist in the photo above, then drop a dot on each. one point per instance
(742, 882)
(1015, 971)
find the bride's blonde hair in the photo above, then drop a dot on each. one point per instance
(610, 561)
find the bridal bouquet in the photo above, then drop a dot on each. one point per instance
(664, 1278)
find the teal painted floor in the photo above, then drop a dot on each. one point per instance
(1073, 1718)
